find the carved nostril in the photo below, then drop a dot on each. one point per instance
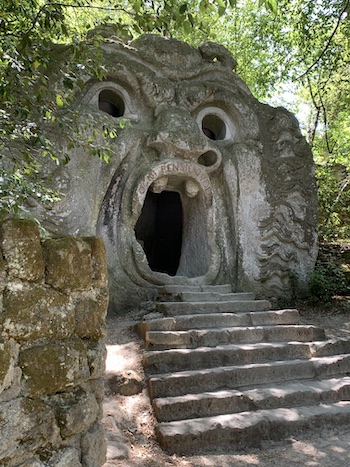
(208, 159)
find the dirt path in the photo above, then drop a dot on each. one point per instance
(129, 420)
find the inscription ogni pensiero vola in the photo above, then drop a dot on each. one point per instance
(183, 169)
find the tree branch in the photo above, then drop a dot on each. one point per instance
(328, 43)
(318, 111)
(66, 5)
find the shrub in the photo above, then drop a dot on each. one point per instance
(328, 279)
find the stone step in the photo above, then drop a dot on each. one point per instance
(210, 320)
(177, 289)
(192, 308)
(214, 297)
(161, 340)
(210, 404)
(233, 377)
(166, 361)
(238, 431)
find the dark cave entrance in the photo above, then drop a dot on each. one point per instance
(159, 230)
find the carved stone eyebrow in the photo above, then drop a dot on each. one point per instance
(192, 95)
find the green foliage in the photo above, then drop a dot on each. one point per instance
(307, 44)
(20, 183)
(327, 280)
(274, 42)
(323, 77)
(31, 110)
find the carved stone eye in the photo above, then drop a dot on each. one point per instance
(215, 124)
(111, 98)
(213, 127)
(111, 102)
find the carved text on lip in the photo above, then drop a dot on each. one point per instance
(178, 168)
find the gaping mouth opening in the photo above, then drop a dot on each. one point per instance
(159, 231)
(172, 227)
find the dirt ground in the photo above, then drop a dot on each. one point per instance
(129, 421)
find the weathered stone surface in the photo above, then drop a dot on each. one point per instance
(54, 367)
(8, 359)
(25, 425)
(126, 383)
(15, 389)
(97, 385)
(90, 316)
(96, 354)
(222, 392)
(236, 175)
(35, 462)
(68, 263)
(33, 312)
(51, 387)
(290, 394)
(2, 272)
(20, 240)
(242, 430)
(99, 261)
(68, 457)
(94, 447)
(75, 412)
(160, 340)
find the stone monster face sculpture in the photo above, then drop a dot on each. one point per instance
(206, 186)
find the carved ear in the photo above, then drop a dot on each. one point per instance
(212, 51)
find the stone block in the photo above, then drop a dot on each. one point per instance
(99, 261)
(96, 353)
(34, 312)
(20, 241)
(2, 272)
(68, 457)
(35, 462)
(26, 425)
(75, 412)
(52, 368)
(126, 383)
(68, 263)
(90, 316)
(15, 389)
(8, 359)
(94, 447)
(97, 385)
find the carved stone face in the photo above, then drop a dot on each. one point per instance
(205, 186)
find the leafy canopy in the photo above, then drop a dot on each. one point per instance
(30, 109)
(304, 44)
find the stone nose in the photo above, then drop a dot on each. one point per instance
(177, 135)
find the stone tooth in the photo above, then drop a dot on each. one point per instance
(159, 185)
(191, 188)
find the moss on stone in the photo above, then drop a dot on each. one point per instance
(37, 312)
(5, 361)
(90, 317)
(68, 263)
(99, 261)
(96, 352)
(29, 425)
(75, 412)
(21, 247)
(52, 368)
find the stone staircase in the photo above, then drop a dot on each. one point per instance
(226, 370)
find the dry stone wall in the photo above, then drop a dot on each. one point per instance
(53, 306)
